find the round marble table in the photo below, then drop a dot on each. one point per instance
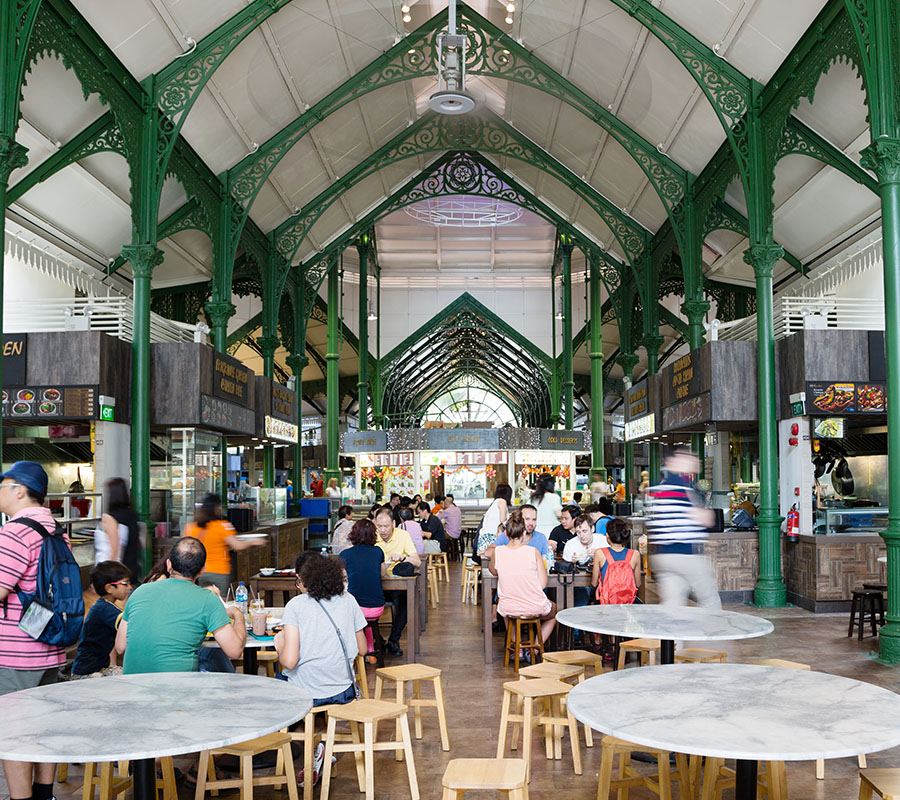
(144, 717)
(742, 711)
(666, 623)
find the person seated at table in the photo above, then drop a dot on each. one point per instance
(323, 631)
(493, 518)
(432, 531)
(522, 578)
(218, 536)
(364, 562)
(581, 550)
(412, 527)
(600, 513)
(565, 531)
(96, 655)
(402, 561)
(622, 585)
(533, 538)
(165, 622)
(373, 510)
(340, 536)
(451, 516)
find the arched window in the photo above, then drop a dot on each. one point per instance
(470, 401)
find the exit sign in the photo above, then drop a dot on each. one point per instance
(107, 413)
(797, 409)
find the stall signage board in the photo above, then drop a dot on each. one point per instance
(365, 442)
(231, 380)
(283, 403)
(386, 459)
(829, 428)
(475, 457)
(562, 440)
(640, 427)
(15, 358)
(682, 379)
(281, 430)
(49, 402)
(842, 398)
(638, 400)
(692, 411)
(463, 438)
(216, 413)
(543, 457)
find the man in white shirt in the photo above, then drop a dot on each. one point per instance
(581, 549)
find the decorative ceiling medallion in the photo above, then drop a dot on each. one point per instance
(465, 212)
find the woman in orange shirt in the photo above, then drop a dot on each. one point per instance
(217, 535)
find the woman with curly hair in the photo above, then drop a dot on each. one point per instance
(323, 631)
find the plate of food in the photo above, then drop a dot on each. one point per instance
(836, 397)
(52, 395)
(47, 408)
(267, 571)
(21, 409)
(24, 395)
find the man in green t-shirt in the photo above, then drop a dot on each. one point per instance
(165, 622)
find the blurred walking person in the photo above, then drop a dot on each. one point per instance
(678, 526)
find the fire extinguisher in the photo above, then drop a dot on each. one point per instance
(793, 524)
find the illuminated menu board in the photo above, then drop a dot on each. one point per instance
(50, 402)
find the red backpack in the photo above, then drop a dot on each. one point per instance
(618, 585)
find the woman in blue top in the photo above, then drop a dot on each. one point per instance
(365, 569)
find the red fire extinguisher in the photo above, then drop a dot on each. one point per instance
(793, 524)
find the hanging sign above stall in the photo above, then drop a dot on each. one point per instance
(543, 457)
(846, 398)
(283, 403)
(365, 442)
(386, 459)
(48, 402)
(231, 380)
(216, 413)
(474, 457)
(692, 411)
(640, 427)
(562, 440)
(280, 430)
(463, 439)
(15, 358)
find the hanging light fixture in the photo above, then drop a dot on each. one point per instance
(451, 97)
(372, 315)
(559, 308)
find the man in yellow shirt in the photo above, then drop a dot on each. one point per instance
(398, 548)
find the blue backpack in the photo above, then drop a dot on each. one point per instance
(58, 588)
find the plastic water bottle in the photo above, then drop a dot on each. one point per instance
(240, 598)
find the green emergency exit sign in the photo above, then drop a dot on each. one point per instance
(107, 413)
(797, 409)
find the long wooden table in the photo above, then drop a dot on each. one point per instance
(268, 586)
(565, 598)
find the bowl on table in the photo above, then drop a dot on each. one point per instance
(267, 571)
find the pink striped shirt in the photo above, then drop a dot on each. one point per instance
(20, 550)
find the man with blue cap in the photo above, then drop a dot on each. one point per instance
(24, 662)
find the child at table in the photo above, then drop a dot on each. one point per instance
(96, 656)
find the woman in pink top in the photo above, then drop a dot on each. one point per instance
(522, 578)
(413, 528)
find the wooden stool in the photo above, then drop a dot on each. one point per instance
(583, 658)
(778, 662)
(560, 672)
(523, 633)
(551, 693)
(433, 594)
(646, 647)
(270, 659)
(866, 604)
(415, 673)
(484, 774)
(111, 785)
(471, 582)
(454, 549)
(441, 563)
(660, 783)
(367, 713)
(206, 772)
(884, 782)
(697, 655)
(771, 783)
(362, 678)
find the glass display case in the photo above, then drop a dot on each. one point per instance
(850, 520)
(194, 470)
(269, 504)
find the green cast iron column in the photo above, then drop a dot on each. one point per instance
(143, 258)
(362, 247)
(554, 379)
(746, 466)
(652, 343)
(628, 361)
(596, 356)
(883, 156)
(220, 311)
(378, 417)
(770, 589)
(268, 345)
(332, 463)
(296, 363)
(12, 156)
(695, 311)
(566, 245)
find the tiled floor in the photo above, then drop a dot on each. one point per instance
(473, 691)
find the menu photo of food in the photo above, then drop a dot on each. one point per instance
(870, 397)
(835, 398)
